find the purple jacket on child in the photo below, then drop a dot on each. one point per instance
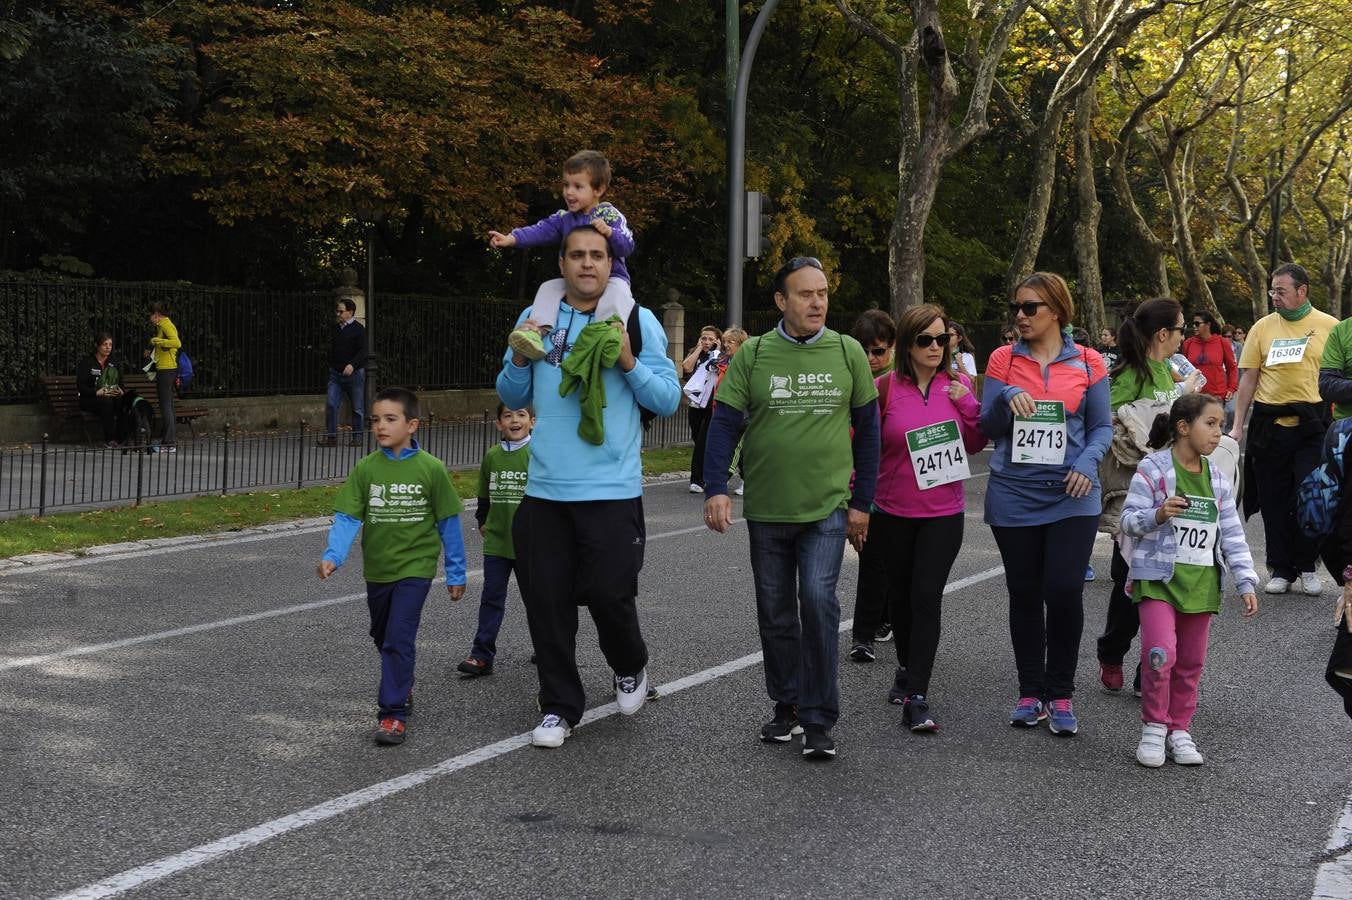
(551, 230)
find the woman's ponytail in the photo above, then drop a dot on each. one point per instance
(1161, 432)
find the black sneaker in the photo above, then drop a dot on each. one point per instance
(915, 714)
(862, 651)
(783, 726)
(1136, 683)
(817, 743)
(884, 633)
(897, 695)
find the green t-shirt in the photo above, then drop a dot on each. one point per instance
(399, 504)
(796, 451)
(502, 479)
(1193, 589)
(1128, 387)
(1338, 356)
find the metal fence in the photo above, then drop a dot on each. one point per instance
(245, 342)
(46, 477)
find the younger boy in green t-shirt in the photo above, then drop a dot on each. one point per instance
(502, 484)
(403, 502)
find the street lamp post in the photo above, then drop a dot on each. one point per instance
(737, 166)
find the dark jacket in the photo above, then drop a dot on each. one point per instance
(88, 372)
(349, 346)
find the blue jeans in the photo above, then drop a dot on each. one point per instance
(795, 567)
(396, 608)
(492, 606)
(354, 387)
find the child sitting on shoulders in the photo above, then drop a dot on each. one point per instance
(402, 500)
(502, 484)
(1182, 531)
(586, 177)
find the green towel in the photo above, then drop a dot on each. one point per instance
(597, 346)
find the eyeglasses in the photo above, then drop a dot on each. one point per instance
(925, 340)
(879, 352)
(1176, 327)
(1198, 324)
(1029, 309)
(1277, 292)
(1009, 339)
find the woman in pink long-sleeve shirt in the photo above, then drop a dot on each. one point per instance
(929, 420)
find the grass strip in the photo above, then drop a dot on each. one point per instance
(73, 532)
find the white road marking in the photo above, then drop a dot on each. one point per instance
(1333, 880)
(252, 837)
(26, 662)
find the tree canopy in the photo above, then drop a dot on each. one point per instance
(928, 151)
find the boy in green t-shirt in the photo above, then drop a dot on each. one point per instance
(403, 502)
(502, 484)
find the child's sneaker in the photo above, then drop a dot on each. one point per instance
(1110, 676)
(1150, 751)
(1027, 713)
(473, 667)
(1181, 748)
(1061, 717)
(390, 731)
(527, 342)
(551, 732)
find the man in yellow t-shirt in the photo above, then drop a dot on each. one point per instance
(1279, 372)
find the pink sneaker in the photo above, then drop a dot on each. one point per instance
(1111, 676)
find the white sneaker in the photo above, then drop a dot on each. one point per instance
(695, 488)
(631, 692)
(1150, 751)
(741, 489)
(1277, 585)
(1310, 584)
(551, 732)
(1182, 749)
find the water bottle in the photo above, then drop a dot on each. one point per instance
(1185, 368)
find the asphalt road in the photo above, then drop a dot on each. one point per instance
(234, 742)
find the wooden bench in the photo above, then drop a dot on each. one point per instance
(64, 399)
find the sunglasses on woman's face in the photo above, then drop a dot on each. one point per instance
(879, 352)
(1029, 309)
(926, 340)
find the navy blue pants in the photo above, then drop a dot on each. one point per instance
(396, 609)
(492, 606)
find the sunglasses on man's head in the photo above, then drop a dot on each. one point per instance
(1029, 309)
(925, 340)
(879, 352)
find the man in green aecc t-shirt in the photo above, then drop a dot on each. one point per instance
(800, 388)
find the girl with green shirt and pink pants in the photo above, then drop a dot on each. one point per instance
(1183, 533)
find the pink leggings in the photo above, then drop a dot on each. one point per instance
(1173, 651)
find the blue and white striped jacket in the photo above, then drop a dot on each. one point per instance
(1150, 548)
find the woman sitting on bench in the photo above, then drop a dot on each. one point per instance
(98, 380)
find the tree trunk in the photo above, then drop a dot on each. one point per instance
(1199, 292)
(1039, 203)
(915, 198)
(1090, 287)
(1152, 248)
